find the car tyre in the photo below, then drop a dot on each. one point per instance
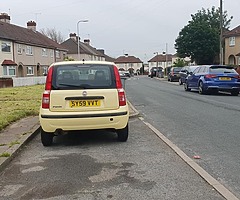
(186, 87)
(201, 89)
(46, 138)
(123, 134)
(234, 93)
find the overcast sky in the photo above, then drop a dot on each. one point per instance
(134, 27)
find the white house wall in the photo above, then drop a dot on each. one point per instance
(126, 66)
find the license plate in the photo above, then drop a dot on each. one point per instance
(225, 79)
(85, 103)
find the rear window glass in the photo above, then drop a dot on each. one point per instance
(83, 77)
(221, 70)
(176, 69)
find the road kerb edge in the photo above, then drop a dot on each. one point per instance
(207, 177)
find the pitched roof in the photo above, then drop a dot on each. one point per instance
(127, 59)
(71, 44)
(8, 62)
(27, 36)
(161, 58)
(234, 32)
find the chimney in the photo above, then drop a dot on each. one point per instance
(4, 17)
(87, 41)
(73, 36)
(31, 25)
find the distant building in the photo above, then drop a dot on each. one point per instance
(25, 51)
(161, 60)
(129, 63)
(85, 50)
(232, 46)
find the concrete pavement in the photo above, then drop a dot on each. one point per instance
(15, 136)
(19, 133)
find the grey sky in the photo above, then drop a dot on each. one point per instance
(136, 27)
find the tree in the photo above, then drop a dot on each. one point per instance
(180, 62)
(199, 39)
(53, 34)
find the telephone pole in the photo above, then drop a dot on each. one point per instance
(221, 33)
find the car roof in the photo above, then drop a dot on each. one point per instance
(82, 63)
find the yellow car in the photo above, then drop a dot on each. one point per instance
(83, 95)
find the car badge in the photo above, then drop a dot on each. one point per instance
(84, 93)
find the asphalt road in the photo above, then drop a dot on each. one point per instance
(203, 125)
(95, 166)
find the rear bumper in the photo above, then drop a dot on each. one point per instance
(222, 86)
(52, 121)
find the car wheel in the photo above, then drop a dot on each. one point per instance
(123, 134)
(186, 87)
(234, 93)
(201, 89)
(46, 138)
(180, 81)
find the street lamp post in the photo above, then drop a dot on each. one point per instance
(221, 32)
(78, 37)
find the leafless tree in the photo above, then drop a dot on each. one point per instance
(53, 34)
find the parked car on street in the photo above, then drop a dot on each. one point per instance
(173, 75)
(213, 78)
(184, 72)
(83, 95)
(156, 72)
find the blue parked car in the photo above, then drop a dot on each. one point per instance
(213, 78)
(185, 71)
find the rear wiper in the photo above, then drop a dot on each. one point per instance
(82, 86)
(70, 85)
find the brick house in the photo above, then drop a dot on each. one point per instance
(26, 52)
(85, 51)
(232, 46)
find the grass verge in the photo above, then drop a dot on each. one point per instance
(19, 102)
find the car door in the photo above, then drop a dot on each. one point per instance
(193, 78)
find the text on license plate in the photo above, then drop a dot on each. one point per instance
(224, 78)
(85, 103)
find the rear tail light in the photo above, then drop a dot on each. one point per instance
(46, 99)
(48, 87)
(237, 77)
(210, 76)
(121, 92)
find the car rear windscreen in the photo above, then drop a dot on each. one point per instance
(177, 69)
(83, 77)
(221, 70)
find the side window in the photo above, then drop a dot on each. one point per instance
(196, 70)
(201, 69)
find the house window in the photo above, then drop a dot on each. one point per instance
(6, 46)
(29, 50)
(51, 53)
(232, 41)
(19, 49)
(45, 71)
(9, 71)
(44, 52)
(29, 70)
(57, 54)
